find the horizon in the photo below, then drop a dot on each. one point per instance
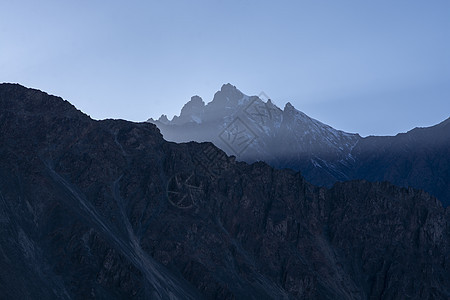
(370, 68)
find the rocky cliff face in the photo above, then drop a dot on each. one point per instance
(254, 130)
(109, 209)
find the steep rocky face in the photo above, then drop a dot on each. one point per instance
(109, 209)
(254, 130)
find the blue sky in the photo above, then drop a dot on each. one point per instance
(372, 67)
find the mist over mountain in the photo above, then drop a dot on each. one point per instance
(256, 130)
(109, 209)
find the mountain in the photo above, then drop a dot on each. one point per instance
(418, 158)
(255, 130)
(109, 209)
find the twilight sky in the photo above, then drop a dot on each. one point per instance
(372, 67)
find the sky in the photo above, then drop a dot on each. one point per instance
(371, 67)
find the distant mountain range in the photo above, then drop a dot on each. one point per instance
(110, 210)
(255, 130)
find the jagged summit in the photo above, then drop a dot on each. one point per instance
(197, 101)
(227, 97)
(163, 119)
(191, 111)
(289, 106)
(230, 101)
(227, 87)
(268, 132)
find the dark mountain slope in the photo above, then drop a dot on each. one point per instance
(418, 158)
(108, 209)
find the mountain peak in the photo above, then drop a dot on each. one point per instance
(227, 87)
(194, 106)
(289, 107)
(195, 102)
(228, 95)
(163, 119)
(191, 111)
